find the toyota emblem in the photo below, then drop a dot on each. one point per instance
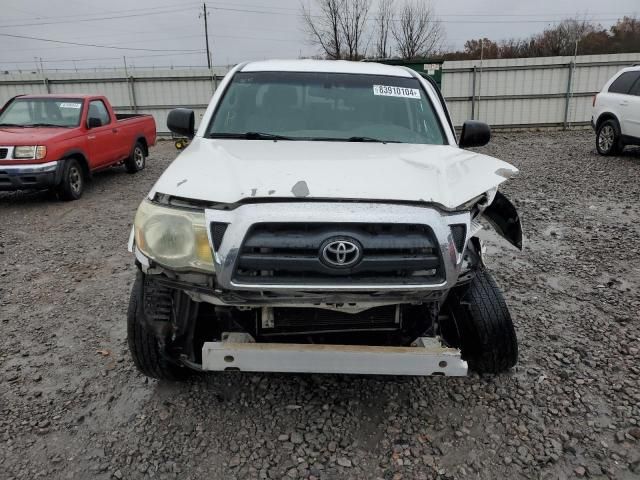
(340, 252)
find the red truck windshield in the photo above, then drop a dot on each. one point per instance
(36, 112)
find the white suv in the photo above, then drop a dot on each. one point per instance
(616, 112)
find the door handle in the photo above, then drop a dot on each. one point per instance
(115, 130)
(91, 137)
(624, 104)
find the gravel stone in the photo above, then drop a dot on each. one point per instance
(571, 406)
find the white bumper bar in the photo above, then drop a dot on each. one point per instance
(426, 358)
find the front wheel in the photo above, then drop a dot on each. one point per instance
(143, 344)
(479, 323)
(72, 183)
(608, 138)
(137, 160)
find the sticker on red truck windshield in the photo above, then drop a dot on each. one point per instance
(391, 91)
(70, 105)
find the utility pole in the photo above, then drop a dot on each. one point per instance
(480, 77)
(204, 15)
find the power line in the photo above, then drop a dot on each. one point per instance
(89, 59)
(555, 20)
(98, 19)
(94, 44)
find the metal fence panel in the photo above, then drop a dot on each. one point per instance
(502, 92)
(528, 91)
(153, 92)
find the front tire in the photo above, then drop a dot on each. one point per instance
(479, 323)
(137, 160)
(608, 140)
(143, 344)
(71, 185)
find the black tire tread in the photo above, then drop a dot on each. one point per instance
(143, 344)
(487, 335)
(617, 146)
(62, 189)
(130, 163)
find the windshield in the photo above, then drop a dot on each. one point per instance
(55, 112)
(326, 106)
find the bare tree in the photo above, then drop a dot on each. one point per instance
(417, 31)
(384, 21)
(353, 19)
(339, 27)
(325, 29)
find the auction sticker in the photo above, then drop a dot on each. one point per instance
(70, 105)
(391, 91)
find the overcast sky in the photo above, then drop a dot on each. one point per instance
(170, 32)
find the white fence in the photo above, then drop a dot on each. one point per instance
(153, 92)
(527, 92)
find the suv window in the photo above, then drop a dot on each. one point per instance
(98, 110)
(635, 90)
(623, 83)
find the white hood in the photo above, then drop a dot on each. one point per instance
(228, 171)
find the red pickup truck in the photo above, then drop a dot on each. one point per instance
(58, 141)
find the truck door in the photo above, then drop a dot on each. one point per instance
(102, 142)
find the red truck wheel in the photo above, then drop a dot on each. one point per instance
(72, 183)
(137, 160)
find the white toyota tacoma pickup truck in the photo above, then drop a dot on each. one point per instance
(324, 218)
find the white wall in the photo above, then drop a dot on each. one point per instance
(528, 91)
(508, 92)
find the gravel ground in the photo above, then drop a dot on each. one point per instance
(72, 404)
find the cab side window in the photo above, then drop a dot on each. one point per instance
(97, 109)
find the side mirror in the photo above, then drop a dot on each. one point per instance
(182, 121)
(474, 134)
(94, 122)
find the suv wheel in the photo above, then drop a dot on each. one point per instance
(608, 138)
(480, 325)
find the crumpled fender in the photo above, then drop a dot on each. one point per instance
(504, 218)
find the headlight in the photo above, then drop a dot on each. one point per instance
(31, 152)
(172, 237)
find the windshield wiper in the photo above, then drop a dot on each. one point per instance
(252, 136)
(370, 139)
(353, 139)
(10, 125)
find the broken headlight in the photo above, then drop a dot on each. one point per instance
(173, 237)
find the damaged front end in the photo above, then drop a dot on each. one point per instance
(252, 290)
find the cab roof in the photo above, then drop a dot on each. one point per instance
(326, 66)
(80, 96)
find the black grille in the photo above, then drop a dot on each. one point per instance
(3, 153)
(402, 254)
(309, 320)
